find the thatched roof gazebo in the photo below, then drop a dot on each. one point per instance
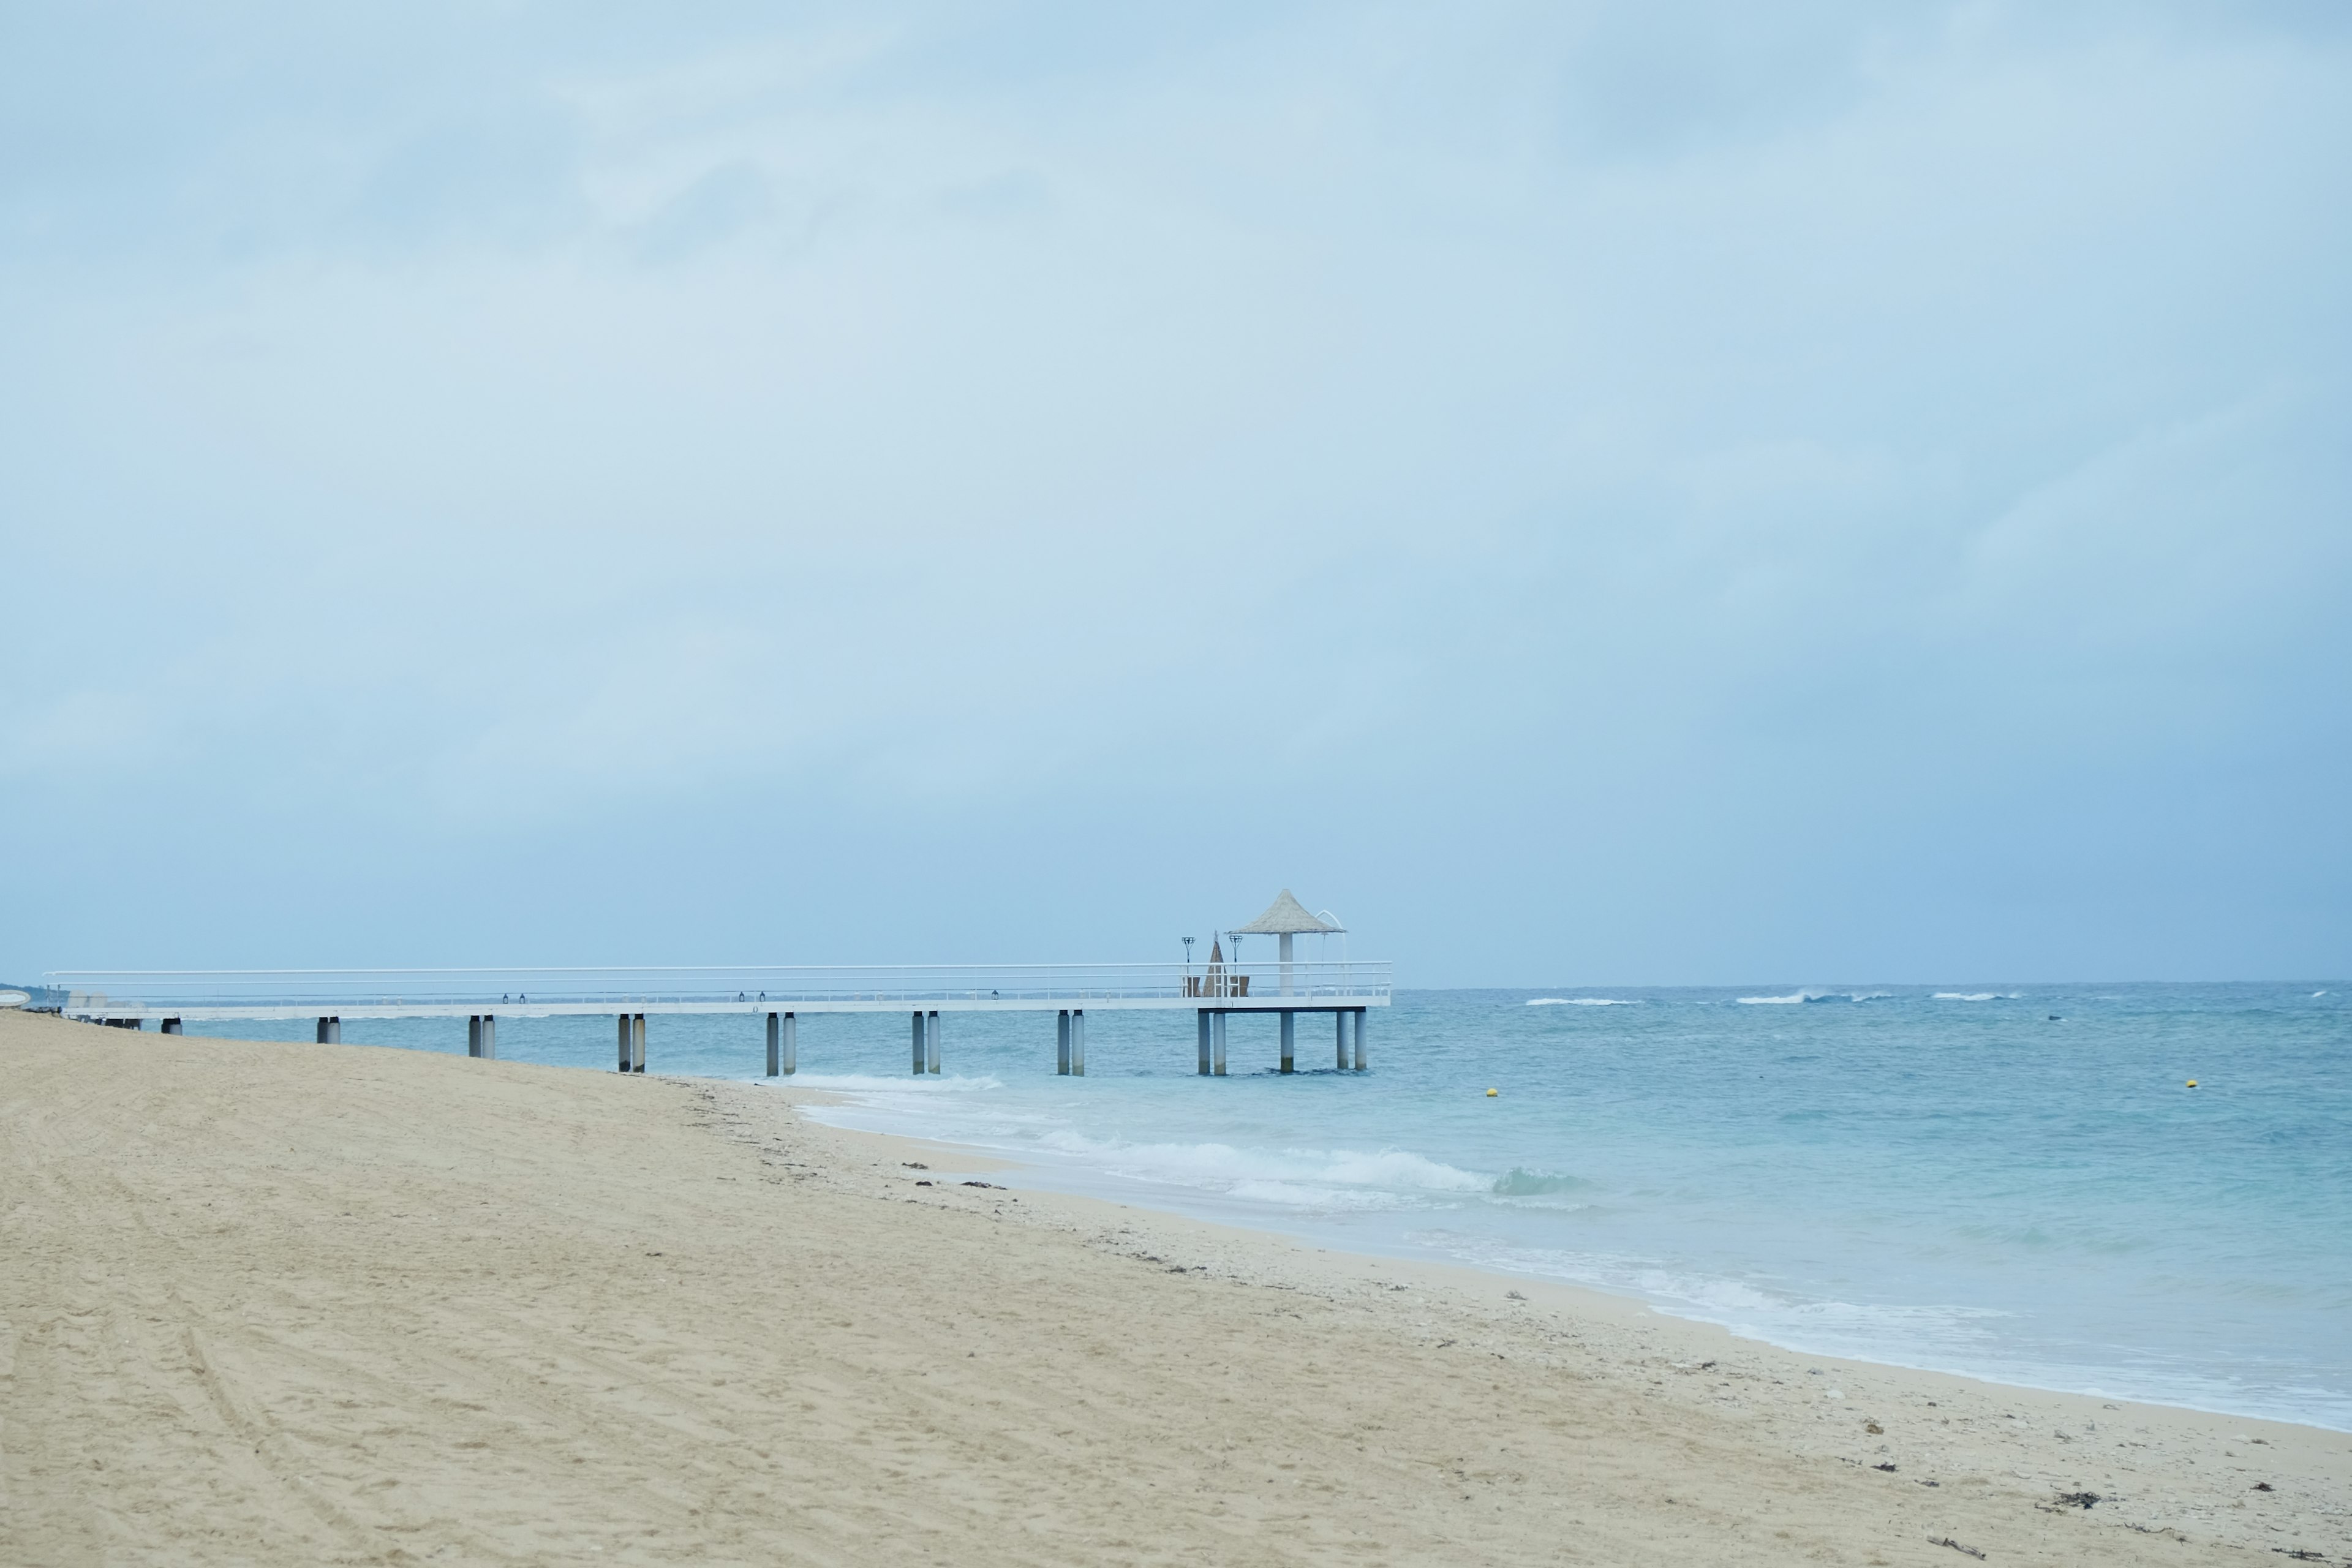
(1284, 919)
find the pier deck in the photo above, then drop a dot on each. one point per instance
(171, 998)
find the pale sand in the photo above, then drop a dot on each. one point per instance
(270, 1303)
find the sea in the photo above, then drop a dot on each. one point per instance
(2014, 1183)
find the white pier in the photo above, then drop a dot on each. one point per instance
(779, 995)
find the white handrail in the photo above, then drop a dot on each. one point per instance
(1259, 980)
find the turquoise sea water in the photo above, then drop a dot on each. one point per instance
(2006, 1181)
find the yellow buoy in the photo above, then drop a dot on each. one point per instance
(2192, 1083)
(1492, 1092)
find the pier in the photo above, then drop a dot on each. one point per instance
(771, 999)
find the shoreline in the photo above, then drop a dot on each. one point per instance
(303, 1303)
(2035, 1434)
(1142, 1200)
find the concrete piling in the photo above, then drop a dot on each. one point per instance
(1212, 1007)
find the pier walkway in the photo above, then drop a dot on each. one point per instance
(172, 998)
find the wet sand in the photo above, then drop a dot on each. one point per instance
(295, 1303)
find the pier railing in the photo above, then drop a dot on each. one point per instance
(1254, 983)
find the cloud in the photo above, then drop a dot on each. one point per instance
(1453, 438)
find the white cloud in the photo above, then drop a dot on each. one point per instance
(551, 421)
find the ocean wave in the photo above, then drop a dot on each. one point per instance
(1717, 1297)
(1581, 1002)
(1306, 1195)
(1901, 1332)
(861, 1083)
(1290, 1178)
(1801, 996)
(1522, 1183)
(1966, 1341)
(1978, 996)
(1222, 1166)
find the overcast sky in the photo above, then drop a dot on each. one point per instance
(1589, 493)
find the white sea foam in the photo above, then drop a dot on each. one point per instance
(1301, 1196)
(855, 1083)
(1905, 1333)
(1582, 1002)
(1978, 996)
(1327, 1179)
(1817, 996)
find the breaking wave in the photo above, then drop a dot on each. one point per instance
(1798, 996)
(1522, 1183)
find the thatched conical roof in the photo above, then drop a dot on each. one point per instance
(1284, 917)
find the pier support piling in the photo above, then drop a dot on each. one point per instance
(625, 1042)
(931, 1043)
(1360, 1039)
(1217, 1043)
(919, 1042)
(489, 1038)
(330, 1031)
(1289, 1036)
(474, 1040)
(1341, 1015)
(792, 1043)
(171, 1026)
(1062, 1043)
(637, 1043)
(1202, 1014)
(1078, 1042)
(776, 1042)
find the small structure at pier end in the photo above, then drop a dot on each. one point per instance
(1285, 919)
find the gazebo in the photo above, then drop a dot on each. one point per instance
(1287, 918)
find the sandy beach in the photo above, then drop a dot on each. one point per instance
(300, 1304)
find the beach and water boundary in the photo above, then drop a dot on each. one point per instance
(2006, 1182)
(289, 1303)
(328, 1303)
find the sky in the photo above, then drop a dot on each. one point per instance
(1587, 493)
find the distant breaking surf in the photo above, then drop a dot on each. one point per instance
(1582, 1002)
(1801, 997)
